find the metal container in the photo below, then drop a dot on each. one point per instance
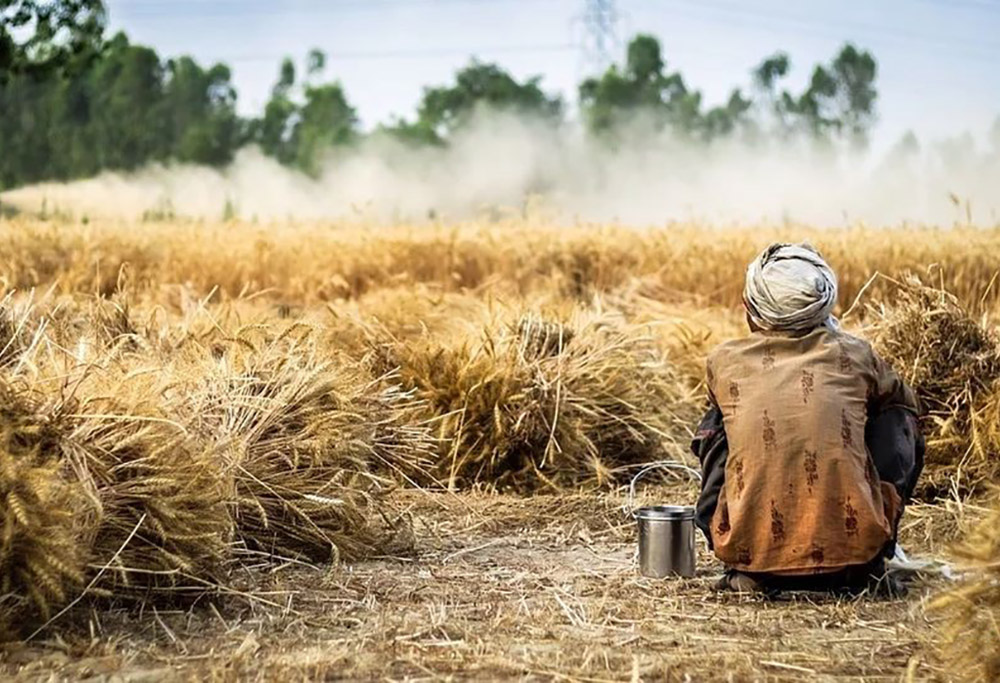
(666, 541)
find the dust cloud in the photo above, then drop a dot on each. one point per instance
(504, 162)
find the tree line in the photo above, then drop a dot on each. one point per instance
(75, 101)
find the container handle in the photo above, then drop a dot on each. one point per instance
(629, 507)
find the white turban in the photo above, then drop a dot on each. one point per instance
(790, 288)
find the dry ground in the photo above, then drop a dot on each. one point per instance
(491, 586)
(541, 588)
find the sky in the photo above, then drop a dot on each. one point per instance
(939, 60)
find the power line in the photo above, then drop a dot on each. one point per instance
(755, 17)
(752, 12)
(600, 19)
(199, 9)
(409, 53)
(980, 5)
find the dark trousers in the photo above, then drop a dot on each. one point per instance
(852, 579)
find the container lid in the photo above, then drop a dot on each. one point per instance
(666, 512)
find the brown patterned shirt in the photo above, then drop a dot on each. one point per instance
(801, 492)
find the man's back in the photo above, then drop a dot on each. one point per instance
(801, 493)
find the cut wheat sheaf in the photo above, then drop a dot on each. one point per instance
(182, 400)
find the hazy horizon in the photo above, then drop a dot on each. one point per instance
(501, 161)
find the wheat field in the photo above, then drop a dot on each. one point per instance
(307, 450)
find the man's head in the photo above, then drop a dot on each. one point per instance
(790, 288)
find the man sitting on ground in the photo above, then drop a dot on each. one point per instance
(811, 446)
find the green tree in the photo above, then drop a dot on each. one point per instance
(326, 120)
(42, 43)
(414, 134)
(853, 102)
(724, 120)
(273, 130)
(838, 102)
(57, 33)
(315, 62)
(299, 133)
(200, 112)
(774, 105)
(644, 86)
(443, 110)
(70, 112)
(129, 127)
(771, 70)
(75, 103)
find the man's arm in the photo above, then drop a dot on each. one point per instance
(712, 450)
(889, 390)
(892, 433)
(897, 448)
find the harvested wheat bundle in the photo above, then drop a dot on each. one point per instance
(398, 437)
(971, 625)
(99, 329)
(165, 529)
(311, 440)
(116, 327)
(542, 338)
(46, 520)
(367, 327)
(113, 325)
(684, 325)
(543, 403)
(21, 328)
(110, 319)
(953, 362)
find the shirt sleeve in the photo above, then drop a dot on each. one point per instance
(889, 390)
(710, 381)
(712, 450)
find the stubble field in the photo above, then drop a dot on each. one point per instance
(352, 451)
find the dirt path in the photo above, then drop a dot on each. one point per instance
(500, 587)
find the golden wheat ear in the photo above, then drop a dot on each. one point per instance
(47, 520)
(952, 360)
